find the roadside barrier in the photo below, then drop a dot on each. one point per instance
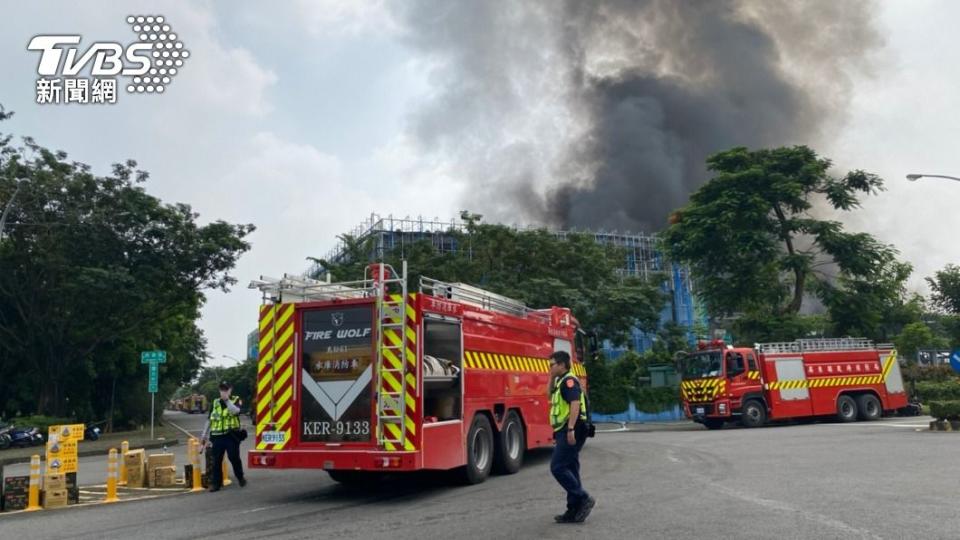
(112, 477)
(33, 499)
(124, 448)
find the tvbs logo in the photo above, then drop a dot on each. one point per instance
(148, 65)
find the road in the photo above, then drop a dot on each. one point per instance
(886, 479)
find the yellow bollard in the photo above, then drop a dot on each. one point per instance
(33, 500)
(223, 467)
(195, 461)
(112, 477)
(124, 448)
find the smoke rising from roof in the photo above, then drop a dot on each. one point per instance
(601, 114)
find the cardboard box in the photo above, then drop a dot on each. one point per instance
(54, 498)
(135, 457)
(55, 482)
(164, 477)
(136, 476)
(160, 460)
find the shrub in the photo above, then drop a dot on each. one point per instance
(939, 391)
(654, 400)
(41, 422)
(945, 410)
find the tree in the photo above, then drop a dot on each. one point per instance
(755, 248)
(534, 266)
(916, 336)
(96, 270)
(946, 289)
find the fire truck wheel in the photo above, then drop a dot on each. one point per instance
(846, 409)
(869, 407)
(754, 414)
(511, 443)
(479, 450)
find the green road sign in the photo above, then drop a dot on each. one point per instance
(148, 357)
(154, 377)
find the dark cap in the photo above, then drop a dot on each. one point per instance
(224, 385)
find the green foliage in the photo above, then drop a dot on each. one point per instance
(756, 327)
(654, 400)
(754, 248)
(96, 270)
(940, 373)
(42, 422)
(945, 410)
(946, 289)
(533, 266)
(939, 391)
(241, 376)
(916, 336)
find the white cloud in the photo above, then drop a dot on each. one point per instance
(350, 17)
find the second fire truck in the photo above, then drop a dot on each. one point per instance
(846, 378)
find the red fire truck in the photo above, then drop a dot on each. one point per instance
(848, 378)
(363, 377)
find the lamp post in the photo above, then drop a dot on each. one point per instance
(914, 177)
(237, 360)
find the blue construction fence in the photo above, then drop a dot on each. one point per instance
(633, 415)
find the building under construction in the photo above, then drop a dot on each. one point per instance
(385, 235)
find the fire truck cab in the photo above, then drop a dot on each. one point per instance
(365, 377)
(849, 378)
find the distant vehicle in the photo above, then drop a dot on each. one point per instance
(194, 404)
(845, 378)
(20, 437)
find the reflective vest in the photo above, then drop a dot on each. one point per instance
(221, 419)
(560, 409)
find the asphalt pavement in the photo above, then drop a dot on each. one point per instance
(886, 479)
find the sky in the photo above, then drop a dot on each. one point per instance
(304, 117)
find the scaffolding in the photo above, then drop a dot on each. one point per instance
(383, 235)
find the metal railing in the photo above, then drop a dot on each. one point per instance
(481, 298)
(816, 345)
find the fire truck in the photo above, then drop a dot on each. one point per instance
(846, 378)
(193, 404)
(365, 377)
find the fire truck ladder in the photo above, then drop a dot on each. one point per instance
(481, 298)
(391, 361)
(817, 345)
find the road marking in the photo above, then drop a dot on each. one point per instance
(784, 507)
(185, 432)
(622, 428)
(879, 424)
(262, 508)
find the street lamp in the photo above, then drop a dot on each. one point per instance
(232, 358)
(915, 177)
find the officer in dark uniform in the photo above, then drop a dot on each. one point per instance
(568, 415)
(223, 427)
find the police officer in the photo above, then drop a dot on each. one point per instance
(223, 425)
(568, 415)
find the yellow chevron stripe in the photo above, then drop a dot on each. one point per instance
(388, 377)
(266, 339)
(411, 314)
(286, 439)
(266, 316)
(284, 398)
(392, 358)
(286, 311)
(411, 335)
(411, 403)
(264, 381)
(392, 337)
(393, 429)
(411, 427)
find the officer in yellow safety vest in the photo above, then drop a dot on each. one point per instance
(568, 415)
(224, 429)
